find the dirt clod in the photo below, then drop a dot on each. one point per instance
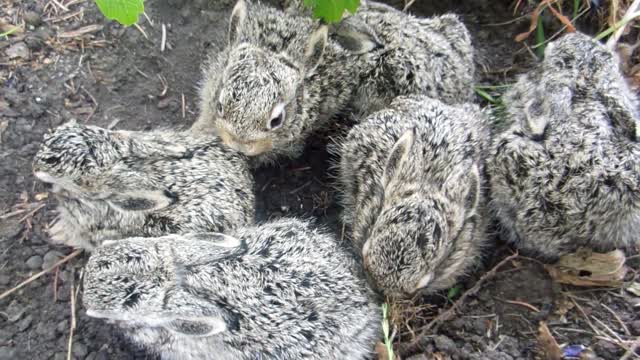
(607, 349)
(18, 51)
(34, 262)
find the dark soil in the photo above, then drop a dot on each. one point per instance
(115, 77)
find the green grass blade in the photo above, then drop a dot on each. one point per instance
(485, 95)
(385, 329)
(576, 8)
(9, 32)
(540, 38)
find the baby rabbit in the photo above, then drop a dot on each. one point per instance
(282, 290)
(412, 184)
(118, 184)
(565, 170)
(405, 55)
(278, 80)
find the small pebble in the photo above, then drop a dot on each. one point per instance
(25, 323)
(32, 18)
(44, 330)
(51, 258)
(607, 350)
(5, 280)
(5, 335)
(18, 50)
(79, 350)
(445, 344)
(34, 43)
(15, 310)
(63, 326)
(635, 328)
(164, 103)
(9, 229)
(418, 357)
(102, 355)
(60, 356)
(7, 353)
(34, 262)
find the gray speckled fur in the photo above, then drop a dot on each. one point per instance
(117, 184)
(565, 172)
(413, 192)
(429, 56)
(282, 290)
(270, 61)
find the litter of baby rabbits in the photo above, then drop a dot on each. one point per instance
(413, 201)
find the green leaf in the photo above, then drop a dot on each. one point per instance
(351, 5)
(329, 10)
(125, 12)
(454, 292)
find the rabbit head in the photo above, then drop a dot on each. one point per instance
(70, 153)
(418, 225)
(112, 206)
(137, 283)
(73, 154)
(254, 101)
(133, 187)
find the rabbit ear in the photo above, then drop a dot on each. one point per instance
(236, 22)
(622, 112)
(143, 200)
(471, 196)
(424, 281)
(57, 182)
(398, 156)
(356, 36)
(536, 118)
(217, 239)
(197, 327)
(315, 49)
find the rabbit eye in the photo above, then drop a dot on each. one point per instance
(219, 108)
(51, 160)
(277, 117)
(276, 122)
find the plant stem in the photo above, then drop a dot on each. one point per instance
(540, 37)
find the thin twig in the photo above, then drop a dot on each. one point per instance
(165, 87)
(148, 19)
(300, 187)
(184, 106)
(163, 43)
(60, 5)
(38, 275)
(613, 40)
(528, 306)
(624, 327)
(449, 313)
(632, 350)
(142, 31)
(55, 285)
(408, 4)
(586, 317)
(73, 316)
